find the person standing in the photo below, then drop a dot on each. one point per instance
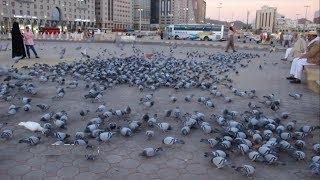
(230, 42)
(28, 41)
(18, 50)
(281, 38)
(286, 38)
(161, 35)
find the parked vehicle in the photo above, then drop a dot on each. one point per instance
(205, 32)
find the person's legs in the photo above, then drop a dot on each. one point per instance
(293, 67)
(28, 50)
(288, 51)
(232, 46)
(296, 70)
(299, 67)
(228, 45)
(34, 51)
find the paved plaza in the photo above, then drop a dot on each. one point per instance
(119, 159)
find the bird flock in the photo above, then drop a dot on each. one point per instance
(262, 139)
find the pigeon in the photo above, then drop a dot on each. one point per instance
(211, 142)
(149, 134)
(105, 136)
(32, 140)
(246, 170)
(13, 110)
(6, 134)
(220, 162)
(150, 152)
(315, 168)
(134, 125)
(27, 107)
(26, 100)
(47, 116)
(90, 157)
(62, 53)
(216, 153)
(61, 136)
(255, 156)
(189, 98)
(316, 148)
(43, 107)
(124, 131)
(81, 142)
(84, 112)
(185, 130)
(171, 140)
(164, 126)
(295, 95)
(173, 99)
(80, 135)
(84, 53)
(209, 104)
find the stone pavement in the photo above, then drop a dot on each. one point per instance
(120, 158)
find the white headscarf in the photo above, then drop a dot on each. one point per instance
(314, 40)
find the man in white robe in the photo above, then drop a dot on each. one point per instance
(311, 57)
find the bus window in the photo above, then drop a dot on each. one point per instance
(199, 28)
(208, 28)
(216, 28)
(190, 28)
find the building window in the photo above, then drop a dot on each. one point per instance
(266, 22)
(270, 19)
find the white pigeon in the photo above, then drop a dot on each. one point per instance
(32, 126)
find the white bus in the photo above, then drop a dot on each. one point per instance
(205, 32)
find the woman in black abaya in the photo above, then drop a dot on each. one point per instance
(17, 42)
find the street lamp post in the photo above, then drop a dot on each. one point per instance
(219, 8)
(297, 21)
(186, 14)
(1, 21)
(305, 22)
(248, 13)
(140, 17)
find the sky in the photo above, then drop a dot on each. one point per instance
(237, 9)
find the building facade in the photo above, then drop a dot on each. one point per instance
(199, 7)
(316, 18)
(165, 12)
(65, 14)
(266, 19)
(184, 12)
(114, 14)
(143, 7)
(155, 12)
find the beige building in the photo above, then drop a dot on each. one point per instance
(199, 7)
(65, 14)
(184, 12)
(114, 14)
(165, 12)
(266, 19)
